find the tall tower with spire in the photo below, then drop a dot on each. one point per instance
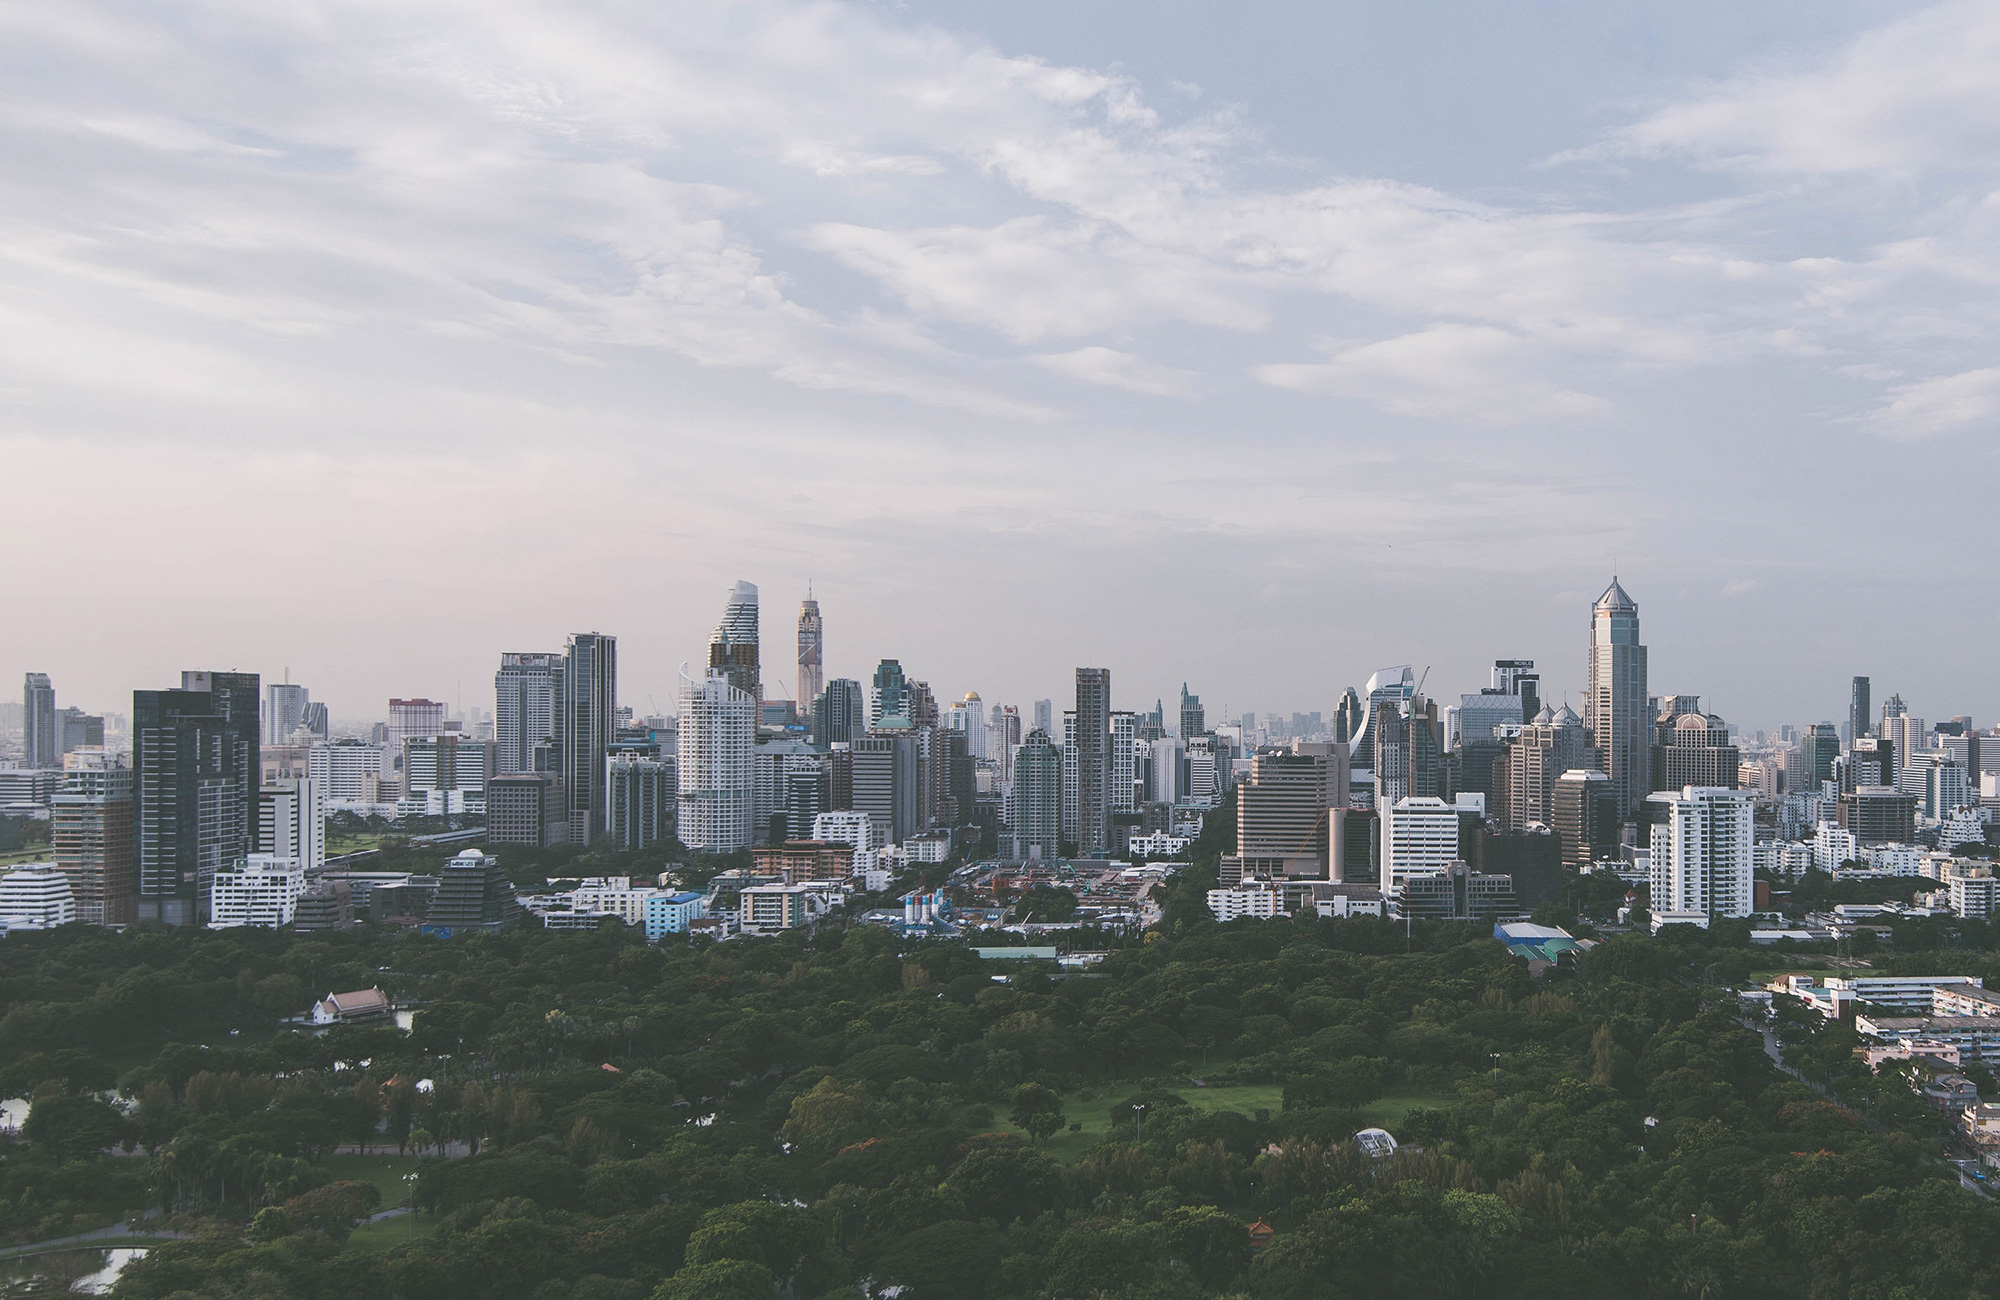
(811, 673)
(1614, 706)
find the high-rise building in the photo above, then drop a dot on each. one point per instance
(787, 785)
(1702, 855)
(413, 718)
(448, 762)
(1093, 761)
(733, 646)
(91, 829)
(528, 698)
(1879, 815)
(1409, 750)
(262, 890)
(41, 737)
(284, 711)
(1518, 678)
(1554, 743)
(889, 703)
(1584, 815)
(885, 783)
(1284, 814)
(811, 641)
(313, 718)
(839, 713)
(717, 732)
(1045, 718)
(291, 821)
(1692, 748)
(1615, 705)
(473, 895)
(1860, 715)
(1194, 721)
(1034, 805)
(641, 795)
(1420, 837)
(526, 808)
(1003, 727)
(590, 705)
(196, 773)
(1818, 748)
(79, 730)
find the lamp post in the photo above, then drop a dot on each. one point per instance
(410, 1181)
(1138, 1121)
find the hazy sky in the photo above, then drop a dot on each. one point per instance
(1258, 344)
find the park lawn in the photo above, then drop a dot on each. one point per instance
(387, 1234)
(385, 1171)
(1095, 1114)
(1388, 1110)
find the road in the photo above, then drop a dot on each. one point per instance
(116, 1234)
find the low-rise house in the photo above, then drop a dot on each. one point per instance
(346, 1008)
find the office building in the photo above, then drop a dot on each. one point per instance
(1457, 893)
(1879, 814)
(473, 895)
(1518, 678)
(839, 713)
(1003, 737)
(90, 827)
(889, 702)
(528, 697)
(1860, 716)
(811, 642)
(1583, 812)
(1283, 814)
(410, 719)
(35, 897)
(1946, 785)
(79, 730)
(195, 772)
(349, 772)
(291, 822)
(1093, 762)
(590, 706)
(1034, 805)
(717, 732)
(526, 808)
(1554, 743)
(1420, 836)
(284, 711)
(885, 781)
(1702, 855)
(968, 718)
(853, 829)
(448, 762)
(262, 890)
(642, 794)
(1408, 750)
(1194, 721)
(1818, 748)
(1615, 705)
(733, 646)
(1045, 717)
(788, 784)
(41, 740)
(1692, 748)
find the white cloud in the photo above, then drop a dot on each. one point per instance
(1114, 369)
(1465, 372)
(1942, 405)
(1916, 94)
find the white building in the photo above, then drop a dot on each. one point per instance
(613, 896)
(262, 890)
(1834, 847)
(291, 821)
(347, 771)
(1973, 896)
(1702, 853)
(853, 828)
(1160, 844)
(718, 730)
(1165, 772)
(1896, 859)
(36, 897)
(767, 909)
(1420, 837)
(1259, 898)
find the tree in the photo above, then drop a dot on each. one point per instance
(1037, 1109)
(72, 1126)
(721, 1279)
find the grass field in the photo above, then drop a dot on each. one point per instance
(391, 1233)
(1387, 1111)
(386, 1172)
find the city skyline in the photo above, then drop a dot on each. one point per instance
(1259, 325)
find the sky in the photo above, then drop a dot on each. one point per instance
(1255, 346)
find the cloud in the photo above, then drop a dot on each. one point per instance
(1466, 372)
(1907, 97)
(1113, 369)
(1946, 404)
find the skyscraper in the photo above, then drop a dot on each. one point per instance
(890, 703)
(590, 703)
(1034, 806)
(811, 637)
(732, 647)
(1045, 718)
(284, 711)
(41, 737)
(1615, 706)
(196, 773)
(1517, 677)
(1093, 761)
(839, 713)
(528, 700)
(1583, 812)
(718, 729)
(1554, 743)
(91, 829)
(1819, 747)
(1860, 715)
(1693, 748)
(410, 719)
(1193, 721)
